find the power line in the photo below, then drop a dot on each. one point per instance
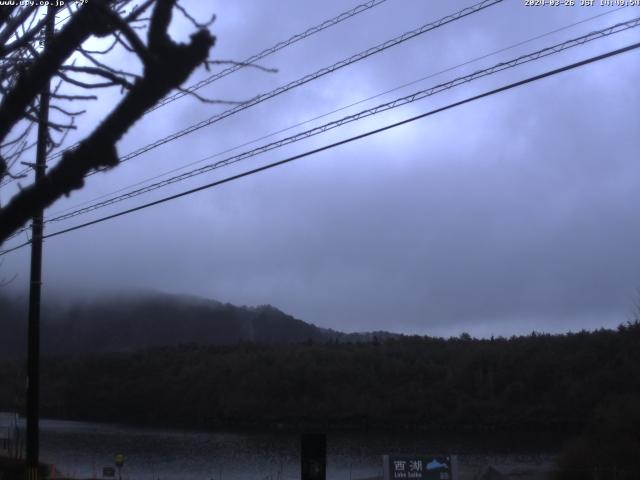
(13, 249)
(251, 60)
(268, 51)
(617, 28)
(310, 77)
(7, 180)
(269, 166)
(345, 107)
(422, 94)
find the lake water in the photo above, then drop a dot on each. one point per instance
(82, 449)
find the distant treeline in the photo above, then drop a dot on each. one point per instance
(537, 382)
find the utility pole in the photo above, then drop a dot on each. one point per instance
(33, 350)
(313, 456)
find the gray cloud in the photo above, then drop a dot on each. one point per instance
(507, 215)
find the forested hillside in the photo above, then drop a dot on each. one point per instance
(130, 322)
(537, 382)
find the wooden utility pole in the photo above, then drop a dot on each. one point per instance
(313, 456)
(33, 349)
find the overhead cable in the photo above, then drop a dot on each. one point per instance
(307, 78)
(268, 51)
(343, 142)
(249, 61)
(523, 59)
(326, 114)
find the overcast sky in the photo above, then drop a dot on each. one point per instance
(514, 213)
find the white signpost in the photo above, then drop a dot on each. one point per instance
(420, 467)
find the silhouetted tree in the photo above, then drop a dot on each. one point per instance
(26, 68)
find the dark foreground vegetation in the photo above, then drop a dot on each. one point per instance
(14, 469)
(585, 384)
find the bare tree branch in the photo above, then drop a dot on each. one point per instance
(242, 64)
(89, 56)
(139, 10)
(13, 24)
(102, 52)
(193, 21)
(135, 44)
(67, 112)
(73, 97)
(212, 101)
(167, 66)
(27, 37)
(89, 20)
(114, 82)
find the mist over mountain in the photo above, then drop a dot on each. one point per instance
(125, 322)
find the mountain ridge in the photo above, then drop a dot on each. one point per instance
(125, 321)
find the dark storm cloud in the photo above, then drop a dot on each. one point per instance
(511, 214)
